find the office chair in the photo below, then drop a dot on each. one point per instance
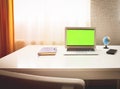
(15, 80)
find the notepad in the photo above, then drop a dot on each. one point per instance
(47, 51)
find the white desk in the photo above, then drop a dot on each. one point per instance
(27, 58)
(102, 66)
(91, 68)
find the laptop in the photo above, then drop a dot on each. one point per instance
(80, 41)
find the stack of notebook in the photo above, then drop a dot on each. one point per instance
(46, 51)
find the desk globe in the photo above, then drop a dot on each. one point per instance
(106, 41)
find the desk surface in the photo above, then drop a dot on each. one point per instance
(27, 58)
(88, 67)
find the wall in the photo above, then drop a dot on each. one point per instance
(105, 16)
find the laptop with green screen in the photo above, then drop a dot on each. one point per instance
(80, 38)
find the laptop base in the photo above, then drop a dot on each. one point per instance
(79, 51)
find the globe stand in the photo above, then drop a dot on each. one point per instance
(106, 47)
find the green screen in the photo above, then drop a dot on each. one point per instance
(80, 37)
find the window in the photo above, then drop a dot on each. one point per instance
(44, 21)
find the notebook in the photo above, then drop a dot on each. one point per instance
(47, 51)
(80, 40)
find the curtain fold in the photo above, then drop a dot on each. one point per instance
(6, 27)
(11, 26)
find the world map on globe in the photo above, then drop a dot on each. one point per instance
(106, 40)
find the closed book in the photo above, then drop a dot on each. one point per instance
(47, 51)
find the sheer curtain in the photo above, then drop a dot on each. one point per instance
(44, 21)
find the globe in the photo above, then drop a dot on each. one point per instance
(106, 41)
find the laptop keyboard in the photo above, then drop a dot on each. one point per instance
(80, 49)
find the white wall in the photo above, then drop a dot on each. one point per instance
(105, 16)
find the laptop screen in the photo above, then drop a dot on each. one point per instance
(80, 36)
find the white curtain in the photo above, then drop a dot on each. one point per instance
(44, 21)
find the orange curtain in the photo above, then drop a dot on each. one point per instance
(6, 27)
